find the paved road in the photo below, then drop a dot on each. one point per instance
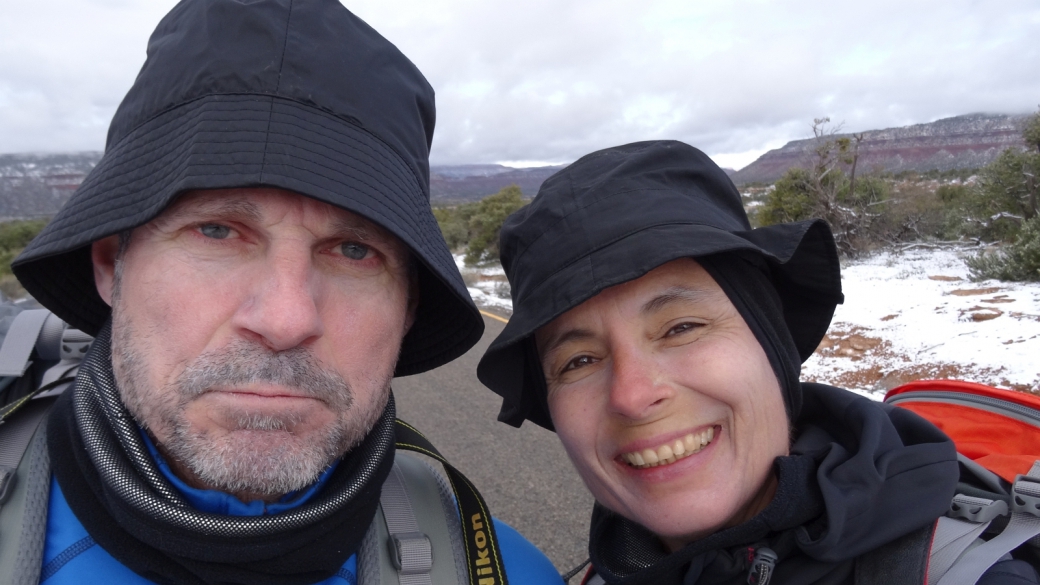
(523, 473)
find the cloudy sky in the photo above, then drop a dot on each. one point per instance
(546, 81)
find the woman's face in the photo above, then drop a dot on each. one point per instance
(666, 403)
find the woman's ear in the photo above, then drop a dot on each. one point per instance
(103, 254)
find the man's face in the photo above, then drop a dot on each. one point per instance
(255, 333)
(655, 366)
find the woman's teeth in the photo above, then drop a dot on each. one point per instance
(670, 452)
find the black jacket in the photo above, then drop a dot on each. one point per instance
(860, 475)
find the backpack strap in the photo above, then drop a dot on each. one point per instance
(427, 520)
(963, 525)
(23, 517)
(483, 556)
(410, 549)
(1024, 525)
(21, 339)
(15, 435)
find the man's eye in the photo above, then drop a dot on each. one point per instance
(215, 231)
(579, 362)
(354, 250)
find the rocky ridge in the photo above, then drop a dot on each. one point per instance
(962, 142)
(37, 185)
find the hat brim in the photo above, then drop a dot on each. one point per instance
(802, 257)
(226, 141)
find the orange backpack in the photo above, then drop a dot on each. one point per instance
(997, 507)
(998, 429)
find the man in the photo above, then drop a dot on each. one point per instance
(256, 257)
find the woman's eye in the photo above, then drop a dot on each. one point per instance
(215, 231)
(579, 362)
(681, 328)
(354, 250)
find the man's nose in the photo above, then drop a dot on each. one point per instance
(638, 389)
(283, 307)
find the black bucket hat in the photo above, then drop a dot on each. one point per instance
(296, 94)
(615, 215)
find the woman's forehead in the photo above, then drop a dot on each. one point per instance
(680, 281)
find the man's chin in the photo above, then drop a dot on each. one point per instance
(268, 463)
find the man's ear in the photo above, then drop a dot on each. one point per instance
(103, 254)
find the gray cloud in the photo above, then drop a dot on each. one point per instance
(550, 80)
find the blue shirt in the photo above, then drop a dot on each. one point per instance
(71, 556)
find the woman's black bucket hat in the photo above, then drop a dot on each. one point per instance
(295, 94)
(615, 215)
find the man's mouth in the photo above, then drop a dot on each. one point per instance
(671, 451)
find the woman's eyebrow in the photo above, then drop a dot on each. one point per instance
(560, 338)
(675, 294)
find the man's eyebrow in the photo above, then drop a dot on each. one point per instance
(356, 227)
(675, 294)
(222, 207)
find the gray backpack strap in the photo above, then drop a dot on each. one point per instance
(15, 434)
(410, 549)
(954, 535)
(416, 536)
(23, 518)
(1024, 525)
(27, 328)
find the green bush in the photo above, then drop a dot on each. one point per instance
(487, 221)
(853, 215)
(1019, 262)
(788, 201)
(475, 226)
(15, 236)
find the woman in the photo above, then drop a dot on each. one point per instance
(661, 338)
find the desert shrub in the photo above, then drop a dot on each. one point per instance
(827, 188)
(486, 223)
(14, 237)
(454, 224)
(475, 226)
(853, 215)
(788, 201)
(1018, 262)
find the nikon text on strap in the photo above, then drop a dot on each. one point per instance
(483, 557)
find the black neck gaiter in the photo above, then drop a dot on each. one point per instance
(129, 509)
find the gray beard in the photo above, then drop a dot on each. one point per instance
(269, 459)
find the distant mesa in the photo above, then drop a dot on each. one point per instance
(962, 142)
(464, 183)
(37, 185)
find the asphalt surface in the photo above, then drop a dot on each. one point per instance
(523, 473)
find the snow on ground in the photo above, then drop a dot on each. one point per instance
(907, 316)
(487, 285)
(913, 315)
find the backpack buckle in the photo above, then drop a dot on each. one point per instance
(1025, 495)
(411, 553)
(978, 510)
